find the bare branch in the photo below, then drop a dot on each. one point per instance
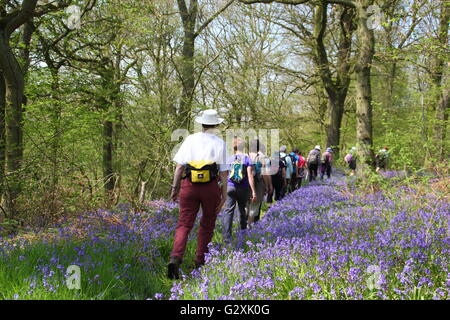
(215, 15)
(296, 2)
(293, 2)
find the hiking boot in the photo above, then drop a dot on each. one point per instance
(173, 268)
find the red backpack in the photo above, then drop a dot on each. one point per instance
(301, 162)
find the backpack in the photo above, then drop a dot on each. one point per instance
(281, 164)
(324, 159)
(284, 160)
(293, 157)
(301, 162)
(201, 171)
(313, 157)
(382, 155)
(237, 172)
(258, 165)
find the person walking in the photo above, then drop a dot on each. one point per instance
(263, 181)
(201, 166)
(350, 159)
(278, 177)
(241, 189)
(289, 169)
(301, 169)
(381, 159)
(325, 163)
(312, 161)
(294, 178)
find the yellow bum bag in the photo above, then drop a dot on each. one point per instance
(201, 171)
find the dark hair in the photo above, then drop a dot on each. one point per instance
(295, 150)
(209, 126)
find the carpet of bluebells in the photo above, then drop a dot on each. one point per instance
(323, 241)
(120, 253)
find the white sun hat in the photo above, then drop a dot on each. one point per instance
(317, 147)
(209, 117)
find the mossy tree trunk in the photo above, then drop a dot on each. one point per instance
(366, 41)
(337, 88)
(441, 82)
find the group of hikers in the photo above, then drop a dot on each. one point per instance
(205, 176)
(381, 159)
(255, 177)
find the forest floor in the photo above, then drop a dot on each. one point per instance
(337, 239)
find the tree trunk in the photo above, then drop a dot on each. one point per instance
(27, 33)
(14, 93)
(2, 131)
(343, 77)
(56, 123)
(187, 71)
(117, 104)
(142, 191)
(109, 102)
(336, 89)
(366, 42)
(441, 82)
(108, 170)
(336, 112)
(442, 111)
(189, 18)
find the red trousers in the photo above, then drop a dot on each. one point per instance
(192, 195)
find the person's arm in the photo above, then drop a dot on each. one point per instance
(223, 185)
(267, 177)
(251, 180)
(175, 189)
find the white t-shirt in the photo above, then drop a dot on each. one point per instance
(203, 146)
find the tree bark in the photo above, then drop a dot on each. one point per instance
(14, 93)
(337, 105)
(442, 111)
(14, 97)
(27, 33)
(108, 170)
(111, 103)
(56, 124)
(336, 89)
(363, 66)
(336, 111)
(117, 104)
(441, 82)
(189, 18)
(2, 131)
